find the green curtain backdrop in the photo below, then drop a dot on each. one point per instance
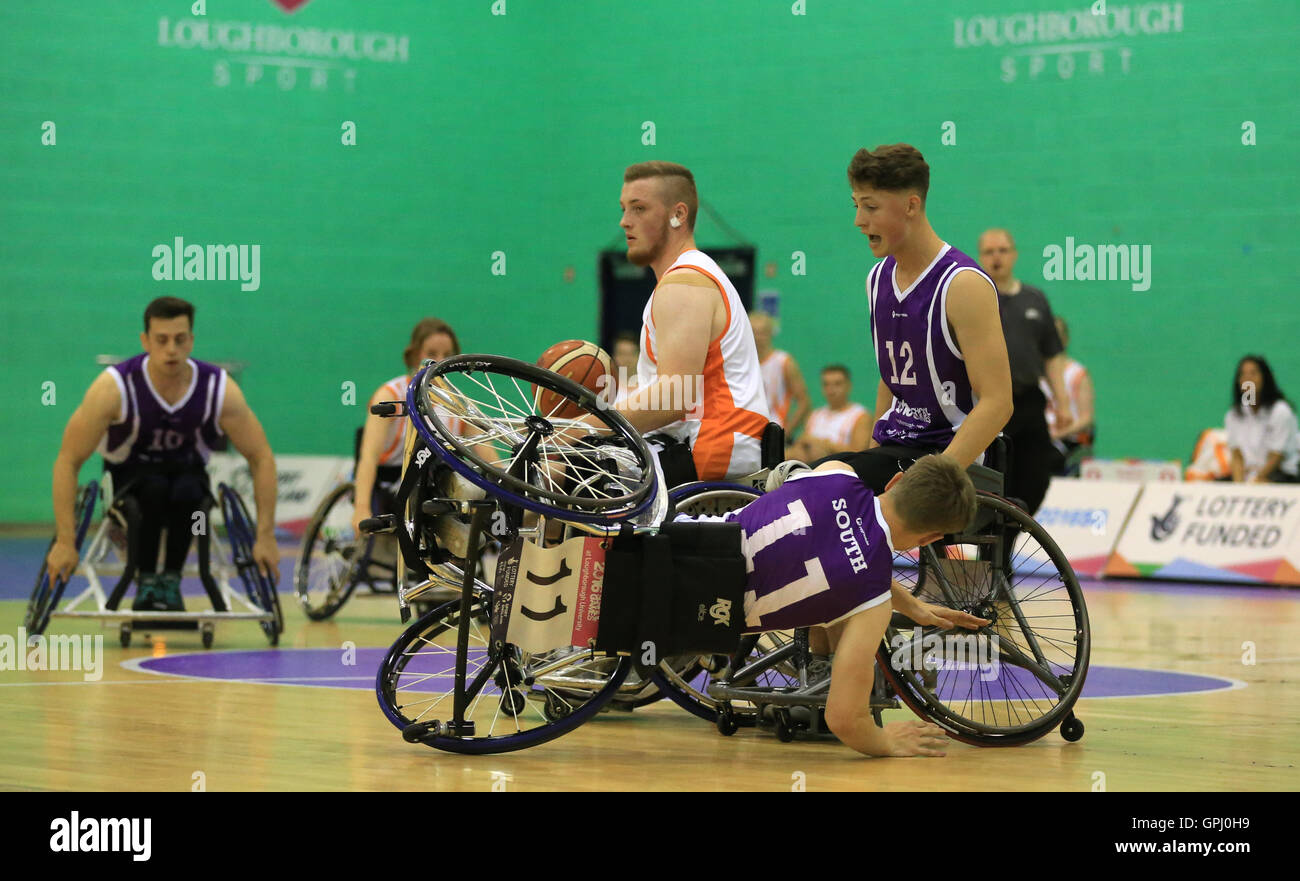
(478, 133)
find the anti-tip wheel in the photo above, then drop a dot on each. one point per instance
(124, 635)
(206, 634)
(784, 730)
(726, 721)
(1071, 729)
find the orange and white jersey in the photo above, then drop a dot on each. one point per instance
(1212, 458)
(395, 429)
(393, 390)
(835, 426)
(1074, 375)
(725, 426)
(778, 393)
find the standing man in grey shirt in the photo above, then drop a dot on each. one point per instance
(1034, 350)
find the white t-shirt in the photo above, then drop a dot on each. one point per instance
(1258, 432)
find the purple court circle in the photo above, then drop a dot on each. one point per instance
(328, 668)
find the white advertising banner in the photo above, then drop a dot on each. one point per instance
(1213, 532)
(1132, 470)
(303, 482)
(1085, 517)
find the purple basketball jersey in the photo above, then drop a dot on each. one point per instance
(149, 431)
(917, 355)
(817, 549)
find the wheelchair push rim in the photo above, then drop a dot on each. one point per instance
(339, 560)
(484, 392)
(547, 691)
(1038, 660)
(47, 593)
(260, 589)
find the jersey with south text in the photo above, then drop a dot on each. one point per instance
(817, 549)
(918, 358)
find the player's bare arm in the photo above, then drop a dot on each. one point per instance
(884, 400)
(977, 327)
(85, 428)
(930, 615)
(685, 316)
(244, 430)
(848, 706)
(372, 447)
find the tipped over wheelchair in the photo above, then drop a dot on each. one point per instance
(598, 591)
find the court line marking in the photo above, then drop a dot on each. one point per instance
(94, 682)
(300, 681)
(134, 664)
(1110, 714)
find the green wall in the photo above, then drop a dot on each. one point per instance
(509, 133)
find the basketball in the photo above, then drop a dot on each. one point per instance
(584, 363)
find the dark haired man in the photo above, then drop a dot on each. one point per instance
(155, 418)
(945, 383)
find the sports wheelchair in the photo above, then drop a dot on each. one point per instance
(108, 551)
(457, 680)
(334, 561)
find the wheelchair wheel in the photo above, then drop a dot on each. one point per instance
(260, 589)
(525, 699)
(47, 593)
(526, 457)
(333, 557)
(1018, 678)
(685, 680)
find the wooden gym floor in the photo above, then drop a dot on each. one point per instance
(135, 730)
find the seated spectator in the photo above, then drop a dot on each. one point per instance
(840, 427)
(627, 351)
(787, 394)
(1072, 433)
(1262, 432)
(1210, 459)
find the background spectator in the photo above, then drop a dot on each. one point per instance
(839, 427)
(781, 377)
(1261, 425)
(1034, 351)
(1077, 445)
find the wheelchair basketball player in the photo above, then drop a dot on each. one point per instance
(699, 397)
(820, 552)
(945, 381)
(155, 418)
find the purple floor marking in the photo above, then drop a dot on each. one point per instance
(324, 668)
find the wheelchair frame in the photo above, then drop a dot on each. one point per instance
(457, 733)
(101, 557)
